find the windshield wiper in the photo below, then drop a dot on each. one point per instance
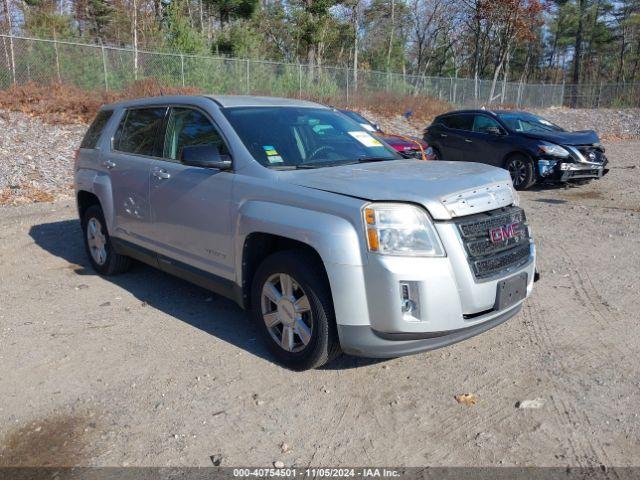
(311, 165)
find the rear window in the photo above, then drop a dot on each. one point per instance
(92, 136)
(138, 131)
(459, 122)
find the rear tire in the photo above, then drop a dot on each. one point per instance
(521, 170)
(99, 246)
(292, 305)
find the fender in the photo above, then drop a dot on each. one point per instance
(334, 238)
(99, 184)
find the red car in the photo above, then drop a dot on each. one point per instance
(412, 146)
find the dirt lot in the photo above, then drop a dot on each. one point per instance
(145, 369)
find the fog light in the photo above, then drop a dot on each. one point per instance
(546, 167)
(410, 300)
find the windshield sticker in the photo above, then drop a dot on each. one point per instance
(275, 159)
(365, 139)
(269, 150)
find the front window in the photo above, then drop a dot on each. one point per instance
(294, 137)
(527, 122)
(190, 128)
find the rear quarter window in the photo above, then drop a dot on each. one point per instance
(92, 136)
(138, 131)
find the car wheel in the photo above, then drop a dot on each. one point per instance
(521, 171)
(102, 256)
(292, 304)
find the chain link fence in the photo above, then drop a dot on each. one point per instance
(24, 60)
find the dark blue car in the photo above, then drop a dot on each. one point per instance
(531, 148)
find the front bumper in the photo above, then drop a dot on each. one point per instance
(451, 303)
(361, 340)
(565, 171)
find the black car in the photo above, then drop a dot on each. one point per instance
(530, 147)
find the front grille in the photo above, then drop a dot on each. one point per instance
(506, 249)
(591, 153)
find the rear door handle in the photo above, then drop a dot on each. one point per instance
(443, 135)
(109, 164)
(161, 174)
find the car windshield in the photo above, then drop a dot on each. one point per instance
(299, 137)
(527, 122)
(364, 123)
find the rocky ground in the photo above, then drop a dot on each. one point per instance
(146, 369)
(36, 158)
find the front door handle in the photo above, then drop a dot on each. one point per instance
(468, 140)
(443, 135)
(161, 174)
(108, 164)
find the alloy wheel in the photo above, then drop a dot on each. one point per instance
(286, 312)
(97, 241)
(518, 170)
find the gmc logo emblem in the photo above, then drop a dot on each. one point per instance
(504, 232)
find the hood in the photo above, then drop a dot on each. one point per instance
(400, 143)
(445, 189)
(584, 137)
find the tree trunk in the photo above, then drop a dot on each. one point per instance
(577, 54)
(9, 27)
(356, 23)
(135, 40)
(391, 33)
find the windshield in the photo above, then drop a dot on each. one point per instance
(294, 137)
(364, 123)
(527, 122)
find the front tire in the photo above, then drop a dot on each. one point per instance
(292, 304)
(521, 170)
(99, 246)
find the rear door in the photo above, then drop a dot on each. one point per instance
(134, 149)
(453, 136)
(190, 206)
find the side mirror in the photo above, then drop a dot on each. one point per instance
(205, 156)
(377, 127)
(495, 131)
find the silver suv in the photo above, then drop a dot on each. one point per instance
(334, 241)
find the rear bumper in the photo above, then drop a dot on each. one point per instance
(362, 340)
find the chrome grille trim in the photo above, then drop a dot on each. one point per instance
(489, 259)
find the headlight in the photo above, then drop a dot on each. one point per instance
(401, 229)
(553, 150)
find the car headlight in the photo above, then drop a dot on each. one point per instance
(553, 150)
(401, 229)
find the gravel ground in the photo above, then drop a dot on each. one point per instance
(145, 369)
(36, 158)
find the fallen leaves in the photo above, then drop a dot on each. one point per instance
(466, 399)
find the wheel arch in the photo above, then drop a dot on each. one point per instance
(258, 246)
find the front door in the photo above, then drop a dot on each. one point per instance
(487, 142)
(190, 206)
